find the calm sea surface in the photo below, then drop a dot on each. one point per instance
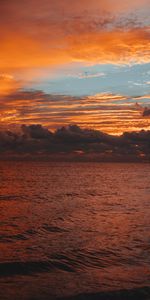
(74, 228)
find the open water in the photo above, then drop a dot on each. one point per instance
(77, 230)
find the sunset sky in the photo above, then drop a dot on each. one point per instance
(82, 62)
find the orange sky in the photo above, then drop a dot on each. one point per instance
(39, 34)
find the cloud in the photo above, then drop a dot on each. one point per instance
(73, 143)
(111, 113)
(142, 97)
(39, 33)
(43, 34)
(145, 110)
(36, 131)
(8, 84)
(115, 46)
(87, 75)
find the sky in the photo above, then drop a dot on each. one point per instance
(83, 62)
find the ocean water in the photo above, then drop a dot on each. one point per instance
(76, 230)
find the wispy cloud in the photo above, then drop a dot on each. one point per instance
(87, 75)
(41, 33)
(8, 84)
(111, 113)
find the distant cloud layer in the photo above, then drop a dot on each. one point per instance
(73, 143)
(111, 113)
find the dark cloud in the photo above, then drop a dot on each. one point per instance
(146, 112)
(36, 131)
(74, 143)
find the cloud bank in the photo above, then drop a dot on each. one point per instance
(73, 143)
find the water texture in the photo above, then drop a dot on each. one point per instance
(74, 230)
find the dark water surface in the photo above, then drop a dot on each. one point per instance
(77, 230)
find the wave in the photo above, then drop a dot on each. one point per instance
(142, 293)
(11, 197)
(70, 262)
(28, 268)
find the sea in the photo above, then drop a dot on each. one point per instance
(74, 231)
